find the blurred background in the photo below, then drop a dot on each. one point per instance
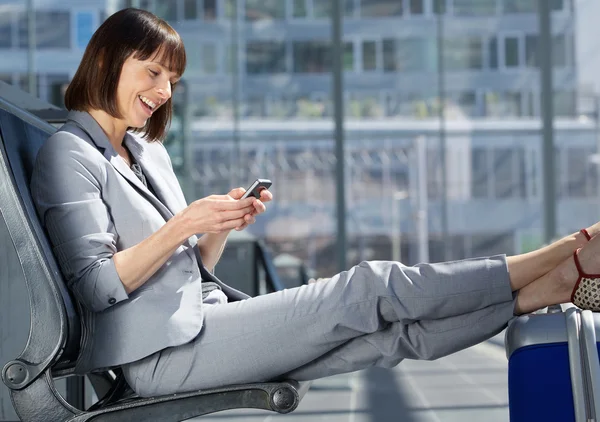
(466, 127)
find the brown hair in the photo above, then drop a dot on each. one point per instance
(129, 31)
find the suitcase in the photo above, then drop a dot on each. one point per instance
(553, 366)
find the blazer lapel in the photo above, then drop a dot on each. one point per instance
(120, 165)
(96, 136)
(152, 173)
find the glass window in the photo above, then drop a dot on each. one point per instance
(229, 8)
(416, 7)
(229, 58)
(264, 9)
(474, 7)
(380, 8)
(559, 51)
(479, 173)
(439, 7)
(5, 30)
(509, 172)
(348, 56)
(312, 56)
(466, 104)
(190, 9)
(22, 30)
(564, 103)
(463, 53)
(322, 9)
(531, 51)
(409, 55)
(581, 173)
(557, 4)
(265, 57)
(349, 8)
(506, 104)
(299, 9)
(493, 53)
(85, 29)
(369, 55)
(209, 58)
(389, 55)
(209, 10)
(519, 6)
(53, 29)
(166, 9)
(511, 52)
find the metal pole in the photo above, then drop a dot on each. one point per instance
(338, 104)
(596, 100)
(31, 43)
(422, 200)
(235, 75)
(187, 145)
(547, 108)
(396, 225)
(442, 134)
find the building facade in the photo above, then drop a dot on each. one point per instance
(274, 56)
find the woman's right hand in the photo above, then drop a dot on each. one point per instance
(217, 213)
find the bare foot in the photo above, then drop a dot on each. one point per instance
(557, 286)
(594, 229)
(550, 289)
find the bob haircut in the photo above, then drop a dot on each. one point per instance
(127, 32)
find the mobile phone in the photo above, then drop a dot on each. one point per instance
(257, 187)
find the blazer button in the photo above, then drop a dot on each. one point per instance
(112, 301)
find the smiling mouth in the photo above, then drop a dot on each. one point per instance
(148, 104)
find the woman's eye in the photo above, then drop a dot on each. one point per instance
(154, 73)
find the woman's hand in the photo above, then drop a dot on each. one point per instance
(219, 213)
(258, 206)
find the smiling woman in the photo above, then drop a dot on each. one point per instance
(127, 45)
(127, 243)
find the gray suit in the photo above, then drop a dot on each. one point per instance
(168, 341)
(93, 205)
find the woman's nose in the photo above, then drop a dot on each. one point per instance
(165, 91)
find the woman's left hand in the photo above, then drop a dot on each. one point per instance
(259, 205)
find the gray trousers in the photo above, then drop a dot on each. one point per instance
(375, 314)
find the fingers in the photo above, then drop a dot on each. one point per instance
(228, 225)
(228, 205)
(237, 193)
(236, 214)
(259, 207)
(265, 195)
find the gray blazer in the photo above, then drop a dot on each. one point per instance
(93, 205)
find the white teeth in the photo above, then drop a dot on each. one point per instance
(147, 102)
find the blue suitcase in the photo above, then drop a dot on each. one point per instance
(553, 366)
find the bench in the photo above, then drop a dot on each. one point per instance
(56, 330)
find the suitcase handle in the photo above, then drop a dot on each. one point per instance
(573, 322)
(592, 367)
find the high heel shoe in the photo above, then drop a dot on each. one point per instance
(586, 293)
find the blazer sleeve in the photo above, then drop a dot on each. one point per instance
(66, 187)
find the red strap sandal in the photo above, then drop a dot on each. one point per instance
(586, 234)
(586, 293)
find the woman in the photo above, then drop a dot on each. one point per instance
(139, 259)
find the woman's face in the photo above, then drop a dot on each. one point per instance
(144, 86)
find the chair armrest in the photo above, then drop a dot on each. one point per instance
(281, 397)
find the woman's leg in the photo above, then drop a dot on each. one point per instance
(426, 339)
(264, 337)
(557, 285)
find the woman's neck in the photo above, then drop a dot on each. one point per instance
(114, 129)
